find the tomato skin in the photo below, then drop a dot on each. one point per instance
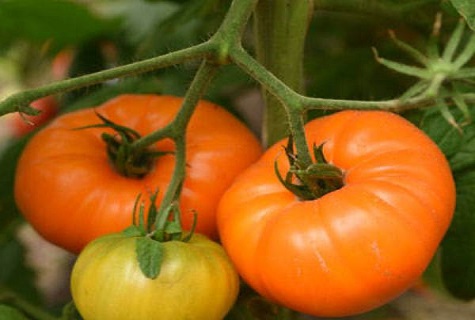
(49, 108)
(67, 189)
(355, 248)
(196, 281)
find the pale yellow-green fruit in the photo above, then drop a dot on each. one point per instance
(197, 281)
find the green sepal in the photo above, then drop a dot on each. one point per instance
(403, 68)
(409, 50)
(173, 230)
(415, 90)
(127, 159)
(149, 256)
(152, 211)
(461, 105)
(134, 231)
(192, 229)
(454, 41)
(309, 181)
(445, 112)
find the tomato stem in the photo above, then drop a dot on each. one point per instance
(280, 31)
(21, 100)
(309, 181)
(176, 130)
(225, 47)
(126, 159)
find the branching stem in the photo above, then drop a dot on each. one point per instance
(22, 99)
(177, 131)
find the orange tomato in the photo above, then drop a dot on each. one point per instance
(355, 248)
(70, 193)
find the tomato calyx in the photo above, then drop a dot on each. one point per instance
(161, 225)
(309, 181)
(127, 160)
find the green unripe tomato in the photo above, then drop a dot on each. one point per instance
(196, 281)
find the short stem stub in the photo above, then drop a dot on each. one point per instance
(309, 182)
(127, 159)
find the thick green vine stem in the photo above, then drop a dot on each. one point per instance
(280, 31)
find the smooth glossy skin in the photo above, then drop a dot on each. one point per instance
(358, 247)
(197, 281)
(67, 189)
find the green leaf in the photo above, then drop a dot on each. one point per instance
(464, 158)
(8, 162)
(64, 22)
(9, 313)
(14, 273)
(458, 254)
(466, 8)
(446, 136)
(150, 256)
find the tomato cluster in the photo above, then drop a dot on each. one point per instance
(344, 253)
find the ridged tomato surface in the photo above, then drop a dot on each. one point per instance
(357, 247)
(68, 190)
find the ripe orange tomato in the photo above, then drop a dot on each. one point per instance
(70, 193)
(355, 248)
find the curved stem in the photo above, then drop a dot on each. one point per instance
(290, 99)
(177, 131)
(293, 100)
(177, 127)
(232, 27)
(394, 105)
(270, 82)
(175, 184)
(297, 129)
(18, 101)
